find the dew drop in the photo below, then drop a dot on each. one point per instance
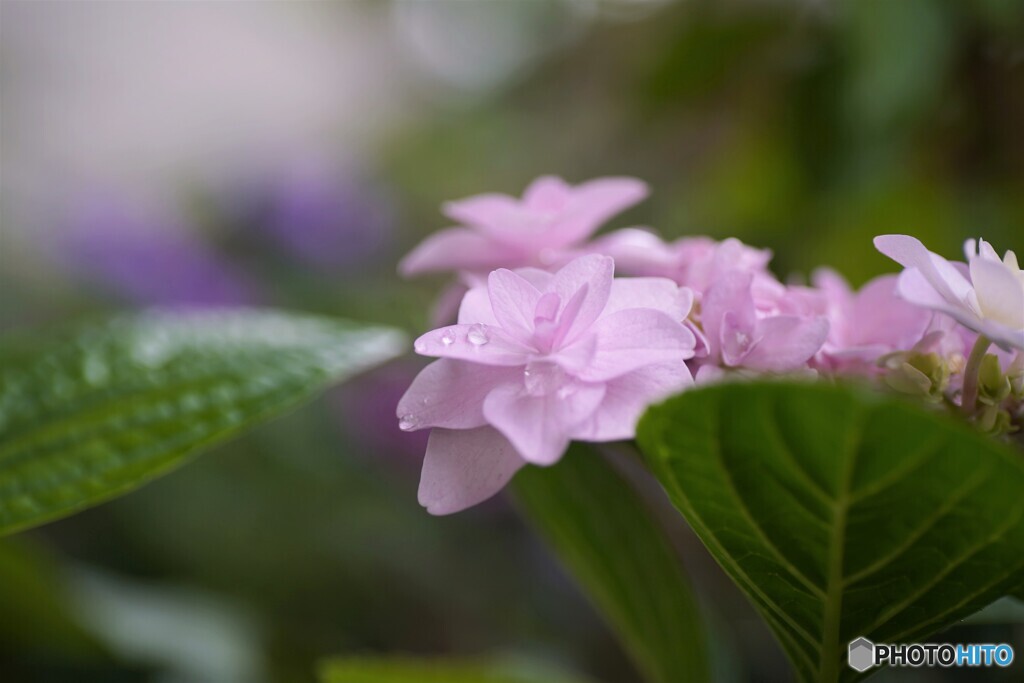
(407, 423)
(448, 338)
(478, 335)
(543, 377)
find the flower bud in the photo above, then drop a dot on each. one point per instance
(919, 374)
(993, 385)
(995, 421)
(1015, 375)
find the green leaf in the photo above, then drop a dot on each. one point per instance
(840, 512)
(605, 534)
(400, 670)
(107, 407)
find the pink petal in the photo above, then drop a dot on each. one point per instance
(736, 340)
(880, 316)
(916, 289)
(514, 301)
(449, 303)
(839, 307)
(708, 374)
(786, 343)
(483, 210)
(478, 343)
(452, 249)
(729, 292)
(518, 231)
(650, 292)
(451, 394)
(541, 279)
(476, 307)
(594, 202)
(833, 284)
(465, 467)
(940, 274)
(627, 397)
(630, 339)
(547, 193)
(540, 426)
(703, 348)
(594, 271)
(638, 251)
(578, 356)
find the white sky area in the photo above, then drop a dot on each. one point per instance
(150, 97)
(138, 96)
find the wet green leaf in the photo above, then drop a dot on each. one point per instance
(107, 407)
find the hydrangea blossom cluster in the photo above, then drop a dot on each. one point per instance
(561, 336)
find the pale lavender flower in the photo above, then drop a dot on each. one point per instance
(535, 361)
(985, 295)
(149, 257)
(542, 229)
(323, 216)
(866, 324)
(690, 261)
(743, 331)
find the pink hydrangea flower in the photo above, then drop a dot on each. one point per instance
(985, 295)
(690, 261)
(751, 320)
(866, 324)
(535, 361)
(538, 230)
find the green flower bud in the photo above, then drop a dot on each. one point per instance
(1015, 375)
(994, 420)
(919, 374)
(993, 385)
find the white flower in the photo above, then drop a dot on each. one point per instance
(985, 295)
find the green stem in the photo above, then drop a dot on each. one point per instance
(969, 397)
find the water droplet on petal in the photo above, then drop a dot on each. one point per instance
(407, 423)
(478, 335)
(543, 377)
(448, 338)
(421, 347)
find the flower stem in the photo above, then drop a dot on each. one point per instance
(969, 397)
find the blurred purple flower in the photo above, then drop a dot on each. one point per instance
(322, 216)
(148, 256)
(367, 409)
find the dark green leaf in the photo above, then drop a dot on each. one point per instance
(100, 411)
(840, 512)
(442, 671)
(606, 535)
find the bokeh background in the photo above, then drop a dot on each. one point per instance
(288, 153)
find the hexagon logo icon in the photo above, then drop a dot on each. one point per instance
(862, 654)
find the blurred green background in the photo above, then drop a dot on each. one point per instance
(288, 154)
